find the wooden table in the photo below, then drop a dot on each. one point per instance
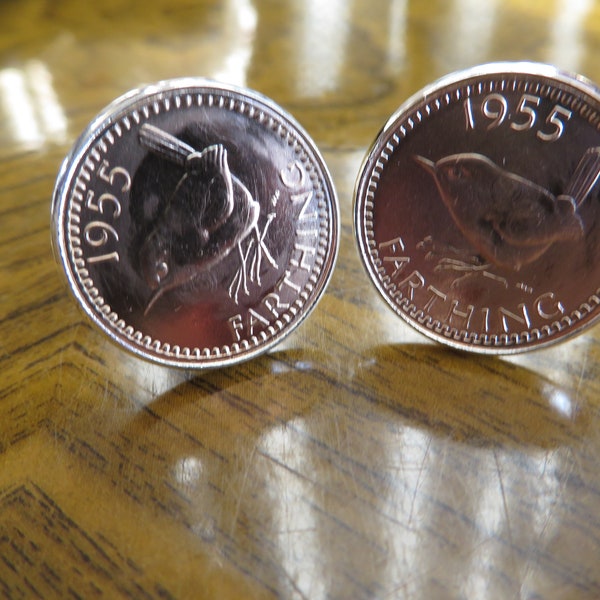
(355, 460)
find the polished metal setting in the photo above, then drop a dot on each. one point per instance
(196, 223)
(477, 209)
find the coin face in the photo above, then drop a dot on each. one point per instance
(196, 223)
(477, 209)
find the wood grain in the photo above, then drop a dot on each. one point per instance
(356, 460)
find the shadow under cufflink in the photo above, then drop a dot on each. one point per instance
(478, 400)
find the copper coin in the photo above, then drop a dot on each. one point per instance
(477, 208)
(196, 223)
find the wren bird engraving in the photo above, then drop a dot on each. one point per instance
(510, 220)
(208, 213)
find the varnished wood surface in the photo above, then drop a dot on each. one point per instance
(356, 460)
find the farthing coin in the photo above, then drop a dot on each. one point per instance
(197, 223)
(477, 209)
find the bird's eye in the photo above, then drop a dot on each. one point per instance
(162, 269)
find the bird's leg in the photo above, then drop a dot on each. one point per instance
(469, 274)
(497, 278)
(261, 251)
(240, 279)
(452, 264)
(251, 261)
(256, 258)
(469, 269)
(435, 251)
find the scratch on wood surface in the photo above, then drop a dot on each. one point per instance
(505, 505)
(418, 482)
(238, 503)
(581, 379)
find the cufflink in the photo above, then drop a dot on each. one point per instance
(196, 223)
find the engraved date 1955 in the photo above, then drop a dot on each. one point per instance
(106, 208)
(497, 111)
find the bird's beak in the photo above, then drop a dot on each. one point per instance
(427, 164)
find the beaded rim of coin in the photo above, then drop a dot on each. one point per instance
(529, 123)
(256, 210)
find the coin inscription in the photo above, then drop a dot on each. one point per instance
(196, 223)
(477, 208)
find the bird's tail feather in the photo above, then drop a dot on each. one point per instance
(585, 177)
(164, 144)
